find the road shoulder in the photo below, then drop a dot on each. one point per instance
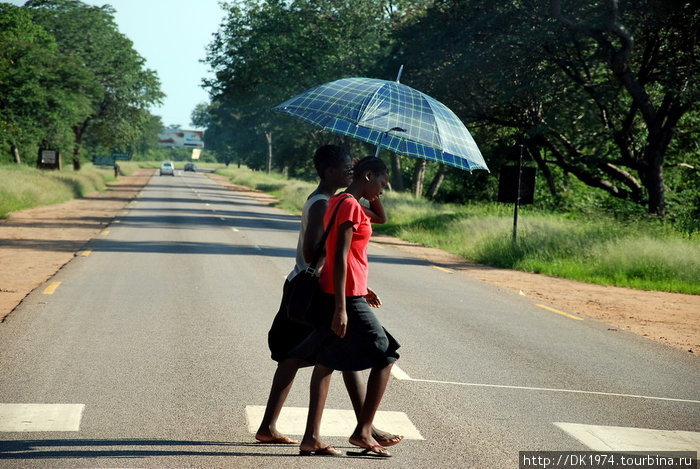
(36, 243)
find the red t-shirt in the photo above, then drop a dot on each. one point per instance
(350, 210)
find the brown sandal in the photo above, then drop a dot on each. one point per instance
(327, 451)
(279, 440)
(375, 451)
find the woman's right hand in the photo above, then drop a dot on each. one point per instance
(339, 326)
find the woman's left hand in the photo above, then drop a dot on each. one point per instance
(339, 326)
(372, 299)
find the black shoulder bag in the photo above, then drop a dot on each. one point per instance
(304, 286)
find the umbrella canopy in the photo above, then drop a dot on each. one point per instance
(389, 115)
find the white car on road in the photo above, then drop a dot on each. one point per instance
(167, 168)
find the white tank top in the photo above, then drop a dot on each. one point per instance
(301, 264)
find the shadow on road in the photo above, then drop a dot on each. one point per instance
(63, 223)
(180, 247)
(162, 247)
(184, 219)
(126, 448)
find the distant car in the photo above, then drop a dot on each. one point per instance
(191, 167)
(167, 168)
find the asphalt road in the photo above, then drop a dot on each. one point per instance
(154, 344)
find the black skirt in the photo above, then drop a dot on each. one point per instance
(284, 334)
(366, 343)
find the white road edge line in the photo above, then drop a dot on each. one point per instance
(573, 391)
(399, 374)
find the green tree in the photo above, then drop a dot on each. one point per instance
(119, 105)
(270, 50)
(148, 140)
(216, 136)
(39, 97)
(598, 88)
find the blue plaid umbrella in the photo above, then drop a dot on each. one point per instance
(389, 115)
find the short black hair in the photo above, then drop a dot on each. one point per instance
(329, 156)
(370, 163)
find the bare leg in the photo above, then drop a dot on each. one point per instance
(376, 385)
(357, 391)
(320, 382)
(281, 385)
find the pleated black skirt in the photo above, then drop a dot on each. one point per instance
(366, 344)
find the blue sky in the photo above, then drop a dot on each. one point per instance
(172, 36)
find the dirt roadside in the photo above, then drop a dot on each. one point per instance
(36, 243)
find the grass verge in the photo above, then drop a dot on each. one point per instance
(22, 187)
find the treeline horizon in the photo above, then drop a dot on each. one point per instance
(600, 96)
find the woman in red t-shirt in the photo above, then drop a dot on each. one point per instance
(355, 340)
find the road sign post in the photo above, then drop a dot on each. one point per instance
(49, 159)
(517, 186)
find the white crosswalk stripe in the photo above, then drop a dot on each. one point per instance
(335, 422)
(40, 417)
(605, 438)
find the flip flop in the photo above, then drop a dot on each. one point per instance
(390, 441)
(280, 440)
(327, 451)
(375, 451)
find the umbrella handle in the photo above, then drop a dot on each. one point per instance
(386, 134)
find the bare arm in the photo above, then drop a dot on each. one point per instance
(314, 230)
(340, 316)
(376, 212)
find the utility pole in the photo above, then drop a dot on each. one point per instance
(268, 135)
(517, 197)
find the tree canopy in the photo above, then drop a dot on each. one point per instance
(599, 92)
(72, 79)
(595, 88)
(267, 51)
(39, 89)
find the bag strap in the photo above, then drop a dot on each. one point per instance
(321, 244)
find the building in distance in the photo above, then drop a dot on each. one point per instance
(181, 138)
